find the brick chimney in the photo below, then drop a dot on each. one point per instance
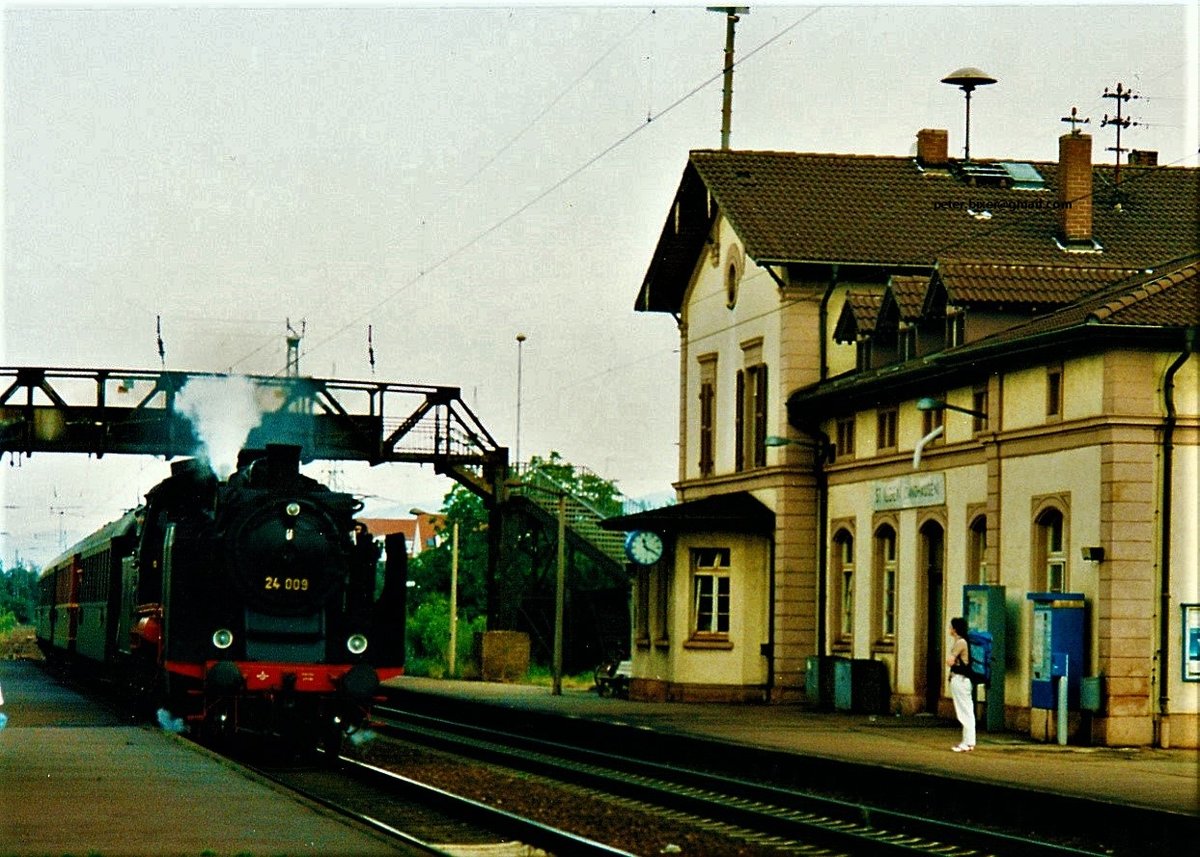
(1075, 188)
(1143, 158)
(933, 147)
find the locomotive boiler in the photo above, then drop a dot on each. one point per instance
(245, 606)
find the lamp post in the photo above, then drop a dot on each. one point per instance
(559, 593)
(452, 654)
(520, 343)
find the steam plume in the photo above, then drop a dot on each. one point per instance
(223, 410)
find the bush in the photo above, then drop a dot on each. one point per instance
(428, 632)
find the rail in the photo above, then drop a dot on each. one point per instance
(757, 810)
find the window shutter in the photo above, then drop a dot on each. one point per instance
(760, 415)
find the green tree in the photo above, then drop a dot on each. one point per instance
(18, 592)
(429, 571)
(599, 493)
(531, 556)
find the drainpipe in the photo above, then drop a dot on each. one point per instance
(823, 314)
(824, 322)
(1164, 617)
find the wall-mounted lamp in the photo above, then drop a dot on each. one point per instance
(928, 403)
(1093, 553)
(931, 404)
(826, 451)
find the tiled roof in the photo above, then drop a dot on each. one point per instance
(858, 315)
(1166, 297)
(973, 283)
(792, 207)
(1170, 299)
(1148, 308)
(390, 526)
(799, 207)
(909, 294)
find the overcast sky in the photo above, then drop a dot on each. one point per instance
(455, 176)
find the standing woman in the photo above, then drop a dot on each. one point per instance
(959, 662)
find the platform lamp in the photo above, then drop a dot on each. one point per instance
(452, 654)
(520, 345)
(928, 403)
(967, 79)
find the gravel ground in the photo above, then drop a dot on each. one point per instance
(619, 823)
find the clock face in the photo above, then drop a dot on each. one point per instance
(643, 547)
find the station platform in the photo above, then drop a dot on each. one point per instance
(74, 779)
(1153, 779)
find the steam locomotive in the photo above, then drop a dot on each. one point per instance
(245, 606)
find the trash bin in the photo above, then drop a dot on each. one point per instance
(860, 686)
(818, 681)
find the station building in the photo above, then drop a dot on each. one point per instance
(1043, 316)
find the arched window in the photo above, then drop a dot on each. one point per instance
(734, 264)
(1051, 551)
(977, 551)
(842, 602)
(885, 583)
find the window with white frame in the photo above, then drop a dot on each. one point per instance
(710, 592)
(977, 550)
(1052, 551)
(843, 582)
(885, 583)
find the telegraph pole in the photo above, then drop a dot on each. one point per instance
(1120, 95)
(731, 14)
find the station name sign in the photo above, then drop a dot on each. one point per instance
(910, 492)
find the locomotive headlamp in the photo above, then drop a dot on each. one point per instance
(293, 509)
(357, 644)
(222, 638)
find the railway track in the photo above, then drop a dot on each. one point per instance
(770, 817)
(425, 819)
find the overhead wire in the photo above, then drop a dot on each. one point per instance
(467, 183)
(783, 305)
(563, 180)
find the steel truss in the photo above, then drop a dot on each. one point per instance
(118, 411)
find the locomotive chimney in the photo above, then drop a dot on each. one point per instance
(283, 462)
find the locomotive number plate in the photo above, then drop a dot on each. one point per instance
(289, 584)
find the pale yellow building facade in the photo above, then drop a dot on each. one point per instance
(822, 514)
